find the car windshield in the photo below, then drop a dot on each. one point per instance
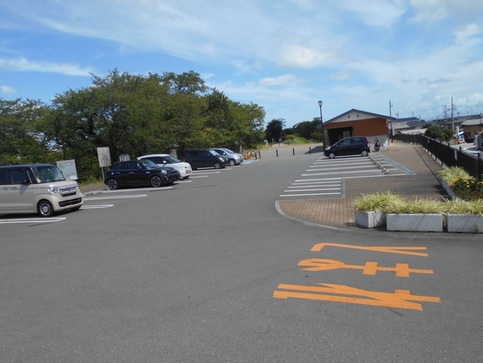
(48, 174)
(148, 163)
(229, 151)
(171, 159)
(214, 152)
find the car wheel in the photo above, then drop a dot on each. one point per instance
(156, 181)
(45, 208)
(232, 162)
(331, 155)
(364, 153)
(112, 184)
(217, 165)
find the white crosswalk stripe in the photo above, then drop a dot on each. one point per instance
(325, 177)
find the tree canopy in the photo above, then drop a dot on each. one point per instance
(130, 114)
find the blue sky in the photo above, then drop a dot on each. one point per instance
(283, 55)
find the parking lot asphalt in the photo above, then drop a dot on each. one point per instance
(420, 182)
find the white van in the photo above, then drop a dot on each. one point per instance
(37, 188)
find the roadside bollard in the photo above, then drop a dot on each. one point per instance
(310, 150)
(293, 151)
(276, 152)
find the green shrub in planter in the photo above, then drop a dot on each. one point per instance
(467, 189)
(376, 202)
(396, 204)
(449, 175)
(462, 184)
(417, 206)
(459, 206)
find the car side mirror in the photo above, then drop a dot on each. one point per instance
(25, 182)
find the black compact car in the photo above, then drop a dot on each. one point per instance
(354, 145)
(204, 158)
(134, 173)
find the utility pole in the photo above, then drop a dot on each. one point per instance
(391, 132)
(452, 108)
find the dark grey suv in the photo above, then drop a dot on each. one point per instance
(354, 145)
(204, 158)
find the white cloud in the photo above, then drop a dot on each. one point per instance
(296, 56)
(432, 11)
(340, 76)
(375, 12)
(24, 65)
(6, 90)
(284, 80)
(468, 35)
(282, 55)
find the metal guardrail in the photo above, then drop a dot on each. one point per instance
(448, 155)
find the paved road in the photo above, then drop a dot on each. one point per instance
(209, 271)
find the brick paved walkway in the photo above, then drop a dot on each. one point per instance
(338, 212)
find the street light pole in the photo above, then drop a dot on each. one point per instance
(321, 123)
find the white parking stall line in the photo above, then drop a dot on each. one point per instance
(310, 190)
(98, 206)
(185, 181)
(207, 172)
(376, 171)
(367, 167)
(198, 176)
(320, 187)
(308, 194)
(149, 189)
(309, 184)
(31, 220)
(116, 197)
(328, 180)
(343, 162)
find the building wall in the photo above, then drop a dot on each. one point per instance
(370, 127)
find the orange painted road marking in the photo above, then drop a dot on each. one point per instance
(387, 249)
(400, 299)
(370, 268)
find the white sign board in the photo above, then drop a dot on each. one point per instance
(68, 168)
(104, 156)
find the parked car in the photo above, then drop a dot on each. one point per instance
(37, 188)
(233, 157)
(204, 158)
(354, 145)
(134, 173)
(183, 168)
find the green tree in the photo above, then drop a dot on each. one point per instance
(437, 132)
(135, 115)
(434, 132)
(308, 129)
(21, 140)
(274, 130)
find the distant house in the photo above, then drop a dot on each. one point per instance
(469, 126)
(408, 125)
(472, 127)
(358, 123)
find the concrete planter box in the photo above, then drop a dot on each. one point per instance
(469, 223)
(447, 189)
(415, 222)
(370, 219)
